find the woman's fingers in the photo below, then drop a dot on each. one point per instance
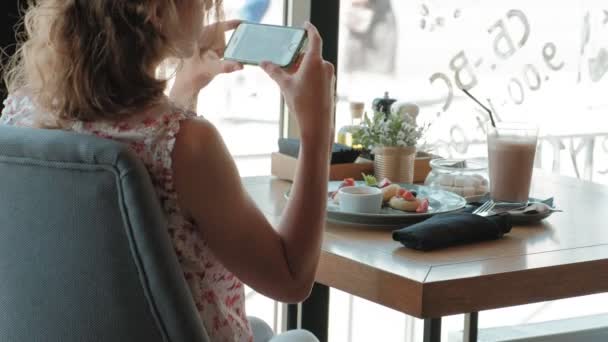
(315, 43)
(213, 37)
(229, 25)
(295, 66)
(231, 66)
(329, 68)
(280, 76)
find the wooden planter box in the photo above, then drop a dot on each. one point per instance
(284, 167)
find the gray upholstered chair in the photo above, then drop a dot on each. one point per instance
(84, 252)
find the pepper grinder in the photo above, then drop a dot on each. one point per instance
(383, 104)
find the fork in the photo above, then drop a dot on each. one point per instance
(485, 209)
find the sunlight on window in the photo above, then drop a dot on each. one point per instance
(529, 61)
(245, 106)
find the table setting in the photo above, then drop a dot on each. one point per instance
(462, 201)
(432, 246)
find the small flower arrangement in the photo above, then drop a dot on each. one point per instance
(392, 130)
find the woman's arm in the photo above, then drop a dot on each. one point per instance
(280, 263)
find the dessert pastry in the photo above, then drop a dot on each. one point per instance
(407, 201)
(423, 207)
(390, 191)
(402, 204)
(464, 185)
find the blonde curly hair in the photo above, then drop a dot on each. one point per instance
(96, 59)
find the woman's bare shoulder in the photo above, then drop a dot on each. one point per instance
(197, 132)
(199, 144)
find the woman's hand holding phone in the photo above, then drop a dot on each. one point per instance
(308, 89)
(199, 70)
(280, 260)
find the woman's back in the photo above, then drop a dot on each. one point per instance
(218, 294)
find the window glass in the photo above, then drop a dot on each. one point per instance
(245, 106)
(538, 61)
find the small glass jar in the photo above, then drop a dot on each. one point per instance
(346, 133)
(467, 178)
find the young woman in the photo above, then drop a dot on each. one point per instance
(90, 66)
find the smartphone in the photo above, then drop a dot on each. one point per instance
(254, 43)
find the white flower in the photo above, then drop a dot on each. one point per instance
(394, 130)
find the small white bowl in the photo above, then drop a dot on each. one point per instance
(360, 199)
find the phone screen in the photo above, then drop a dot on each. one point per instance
(254, 43)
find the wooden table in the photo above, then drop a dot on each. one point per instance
(565, 256)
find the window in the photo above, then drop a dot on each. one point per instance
(246, 106)
(538, 61)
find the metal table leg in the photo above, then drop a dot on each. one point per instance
(432, 330)
(314, 313)
(292, 316)
(470, 327)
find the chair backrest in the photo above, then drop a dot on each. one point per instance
(84, 250)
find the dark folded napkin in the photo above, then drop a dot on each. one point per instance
(452, 229)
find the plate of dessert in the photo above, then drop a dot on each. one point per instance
(401, 203)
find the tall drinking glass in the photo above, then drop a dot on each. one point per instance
(511, 151)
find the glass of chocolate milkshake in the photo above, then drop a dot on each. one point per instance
(511, 151)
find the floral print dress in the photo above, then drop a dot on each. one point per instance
(219, 296)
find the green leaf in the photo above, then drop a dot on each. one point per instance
(369, 180)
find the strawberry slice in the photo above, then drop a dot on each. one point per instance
(348, 182)
(423, 207)
(384, 183)
(409, 196)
